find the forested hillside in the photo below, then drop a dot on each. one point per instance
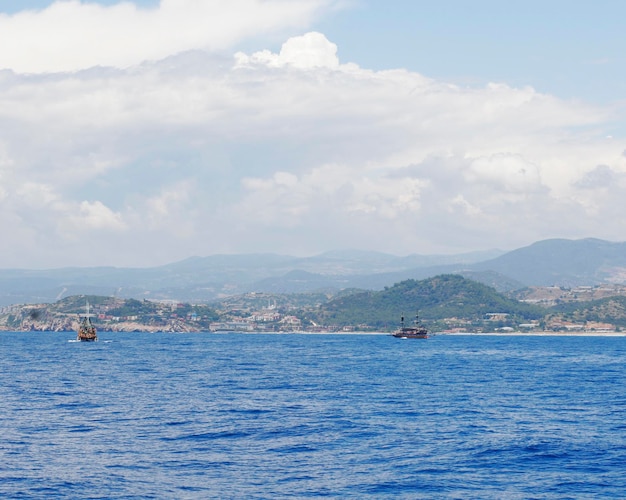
(444, 296)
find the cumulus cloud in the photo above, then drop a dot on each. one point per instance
(294, 151)
(312, 50)
(600, 177)
(70, 35)
(508, 173)
(170, 210)
(95, 215)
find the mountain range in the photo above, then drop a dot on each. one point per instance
(558, 262)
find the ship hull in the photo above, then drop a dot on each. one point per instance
(87, 336)
(411, 333)
(87, 332)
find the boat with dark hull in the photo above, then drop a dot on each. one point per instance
(86, 330)
(415, 331)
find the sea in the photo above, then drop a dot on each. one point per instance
(259, 416)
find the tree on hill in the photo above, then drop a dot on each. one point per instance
(443, 296)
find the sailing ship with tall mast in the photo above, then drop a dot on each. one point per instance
(415, 331)
(86, 330)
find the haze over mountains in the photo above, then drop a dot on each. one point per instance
(557, 262)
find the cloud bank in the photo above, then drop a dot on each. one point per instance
(71, 35)
(291, 151)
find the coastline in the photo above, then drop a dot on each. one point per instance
(539, 334)
(432, 334)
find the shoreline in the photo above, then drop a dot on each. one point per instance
(539, 334)
(432, 334)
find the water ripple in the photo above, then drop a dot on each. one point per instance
(274, 416)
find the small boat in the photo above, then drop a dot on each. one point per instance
(86, 330)
(415, 331)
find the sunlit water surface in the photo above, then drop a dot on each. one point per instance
(278, 416)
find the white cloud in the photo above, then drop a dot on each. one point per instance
(70, 35)
(170, 209)
(312, 50)
(95, 215)
(509, 173)
(291, 152)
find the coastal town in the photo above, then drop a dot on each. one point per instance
(264, 312)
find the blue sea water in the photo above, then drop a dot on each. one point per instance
(301, 416)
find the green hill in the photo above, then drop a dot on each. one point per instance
(607, 310)
(437, 298)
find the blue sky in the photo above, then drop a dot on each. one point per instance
(196, 127)
(569, 48)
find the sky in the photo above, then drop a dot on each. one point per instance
(140, 133)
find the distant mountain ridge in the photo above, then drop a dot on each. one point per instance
(557, 262)
(563, 262)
